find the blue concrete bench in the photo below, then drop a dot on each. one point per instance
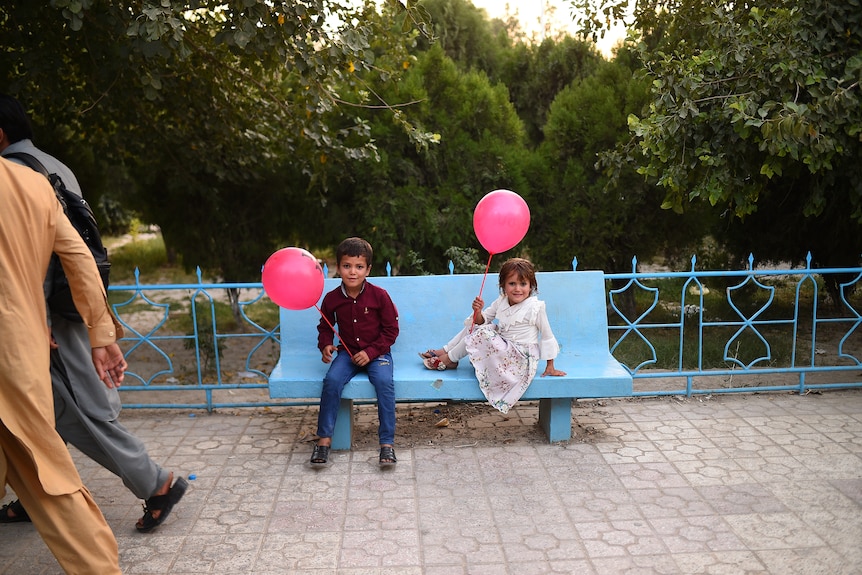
(431, 310)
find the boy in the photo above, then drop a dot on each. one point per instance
(367, 327)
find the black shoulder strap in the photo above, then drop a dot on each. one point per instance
(30, 161)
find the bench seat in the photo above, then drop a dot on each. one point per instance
(431, 310)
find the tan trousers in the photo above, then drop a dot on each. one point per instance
(72, 526)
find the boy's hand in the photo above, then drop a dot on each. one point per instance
(361, 359)
(326, 354)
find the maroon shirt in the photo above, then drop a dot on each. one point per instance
(369, 322)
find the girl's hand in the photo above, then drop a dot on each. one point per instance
(552, 371)
(478, 304)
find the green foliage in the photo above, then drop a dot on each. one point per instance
(576, 212)
(466, 260)
(535, 74)
(467, 36)
(422, 200)
(758, 112)
(220, 113)
(148, 256)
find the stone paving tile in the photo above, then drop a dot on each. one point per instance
(696, 534)
(671, 502)
(741, 484)
(600, 505)
(722, 563)
(636, 565)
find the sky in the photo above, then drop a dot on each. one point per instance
(530, 15)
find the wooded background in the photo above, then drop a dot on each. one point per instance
(242, 126)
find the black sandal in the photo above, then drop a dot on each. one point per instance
(16, 508)
(387, 456)
(164, 503)
(320, 455)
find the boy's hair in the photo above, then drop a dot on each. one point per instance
(354, 248)
(13, 120)
(525, 270)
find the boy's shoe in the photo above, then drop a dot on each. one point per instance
(320, 455)
(387, 456)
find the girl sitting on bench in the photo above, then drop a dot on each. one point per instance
(505, 354)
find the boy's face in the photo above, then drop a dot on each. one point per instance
(353, 271)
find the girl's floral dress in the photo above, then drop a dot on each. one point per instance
(506, 353)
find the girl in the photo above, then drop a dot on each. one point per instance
(506, 354)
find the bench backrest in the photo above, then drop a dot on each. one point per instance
(432, 309)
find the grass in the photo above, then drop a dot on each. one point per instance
(149, 257)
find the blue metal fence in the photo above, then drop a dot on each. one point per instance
(755, 330)
(820, 333)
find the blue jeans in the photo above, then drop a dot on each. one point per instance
(340, 372)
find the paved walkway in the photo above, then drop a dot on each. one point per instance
(723, 485)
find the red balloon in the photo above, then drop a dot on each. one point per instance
(293, 278)
(501, 220)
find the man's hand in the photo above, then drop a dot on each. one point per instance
(110, 364)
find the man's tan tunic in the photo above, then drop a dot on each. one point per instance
(32, 226)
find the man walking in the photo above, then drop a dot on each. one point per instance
(34, 460)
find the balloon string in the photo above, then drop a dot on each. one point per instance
(333, 330)
(481, 289)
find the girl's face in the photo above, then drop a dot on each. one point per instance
(516, 288)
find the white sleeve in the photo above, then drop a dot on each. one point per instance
(548, 346)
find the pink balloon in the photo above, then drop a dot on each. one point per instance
(293, 278)
(501, 220)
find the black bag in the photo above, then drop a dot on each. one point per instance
(82, 218)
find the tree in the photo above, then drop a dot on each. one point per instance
(204, 110)
(576, 214)
(466, 35)
(535, 74)
(417, 203)
(755, 109)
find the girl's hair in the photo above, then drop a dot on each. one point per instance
(354, 248)
(523, 268)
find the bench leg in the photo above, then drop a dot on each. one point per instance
(342, 435)
(555, 417)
